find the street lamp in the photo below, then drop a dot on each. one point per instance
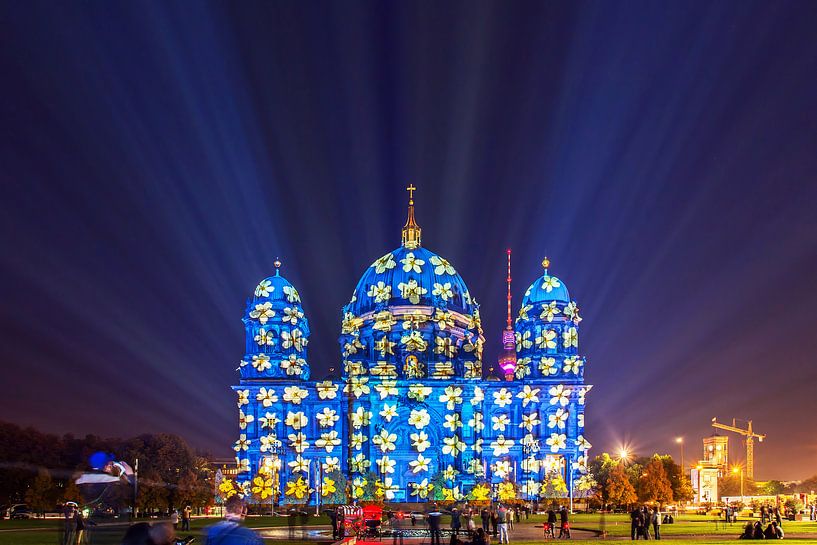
(736, 470)
(624, 455)
(680, 441)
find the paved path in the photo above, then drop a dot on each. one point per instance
(521, 532)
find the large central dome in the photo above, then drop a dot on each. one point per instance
(411, 277)
(411, 314)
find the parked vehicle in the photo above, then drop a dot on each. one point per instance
(20, 511)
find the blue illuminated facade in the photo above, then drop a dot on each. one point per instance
(413, 408)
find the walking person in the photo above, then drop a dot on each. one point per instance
(230, 531)
(187, 512)
(636, 524)
(79, 525)
(494, 521)
(469, 523)
(480, 537)
(174, 519)
(68, 537)
(645, 512)
(551, 523)
(434, 525)
(456, 524)
(502, 516)
(333, 520)
(656, 522)
(485, 515)
(564, 523)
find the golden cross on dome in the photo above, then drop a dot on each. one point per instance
(411, 189)
(411, 231)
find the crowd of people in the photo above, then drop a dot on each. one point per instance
(772, 517)
(495, 523)
(229, 531)
(73, 525)
(755, 531)
(642, 519)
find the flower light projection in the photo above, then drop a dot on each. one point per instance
(421, 489)
(262, 485)
(421, 463)
(419, 418)
(411, 290)
(410, 408)
(297, 488)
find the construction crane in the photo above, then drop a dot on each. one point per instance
(750, 436)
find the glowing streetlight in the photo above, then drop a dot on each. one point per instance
(736, 470)
(624, 455)
(680, 441)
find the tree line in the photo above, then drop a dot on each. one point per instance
(39, 469)
(642, 480)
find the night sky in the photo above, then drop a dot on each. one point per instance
(156, 157)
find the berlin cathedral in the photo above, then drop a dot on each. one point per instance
(414, 415)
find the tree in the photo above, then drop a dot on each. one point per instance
(600, 468)
(654, 485)
(794, 503)
(338, 481)
(587, 487)
(371, 487)
(635, 470)
(619, 490)
(168, 456)
(438, 482)
(683, 491)
(42, 494)
(554, 485)
(729, 485)
(769, 488)
(153, 493)
(681, 485)
(807, 486)
(70, 491)
(165, 456)
(193, 490)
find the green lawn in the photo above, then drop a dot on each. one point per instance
(685, 525)
(691, 541)
(690, 528)
(28, 523)
(45, 532)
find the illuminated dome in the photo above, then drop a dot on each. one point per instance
(277, 331)
(414, 277)
(547, 332)
(412, 314)
(545, 289)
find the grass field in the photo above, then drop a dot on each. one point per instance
(685, 525)
(46, 532)
(689, 528)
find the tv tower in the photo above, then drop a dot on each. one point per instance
(507, 359)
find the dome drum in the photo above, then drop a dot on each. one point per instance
(413, 315)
